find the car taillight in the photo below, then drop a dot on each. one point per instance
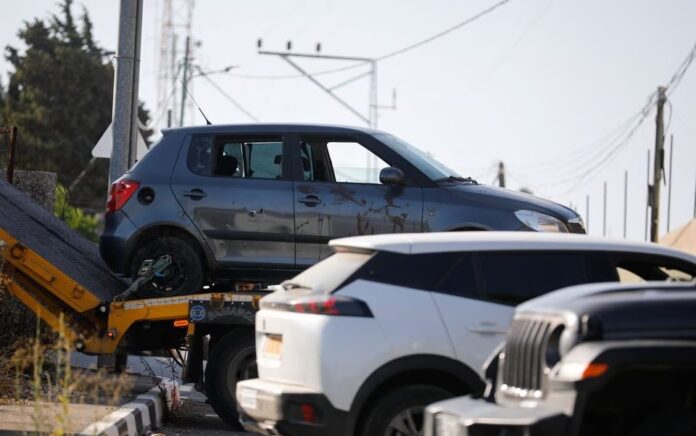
(121, 191)
(335, 305)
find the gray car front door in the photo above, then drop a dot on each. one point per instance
(338, 194)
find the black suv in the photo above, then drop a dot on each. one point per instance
(258, 203)
(588, 361)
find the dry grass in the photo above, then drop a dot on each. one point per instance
(37, 372)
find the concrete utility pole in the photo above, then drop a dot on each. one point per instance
(669, 184)
(501, 174)
(125, 109)
(604, 212)
(658, 164)
(647, 199)
(587, 214)
(625, 217)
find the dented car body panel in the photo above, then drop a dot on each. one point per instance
(263, 200)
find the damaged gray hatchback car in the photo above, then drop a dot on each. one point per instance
(258, 203)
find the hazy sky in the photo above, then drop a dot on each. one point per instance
(538, 84)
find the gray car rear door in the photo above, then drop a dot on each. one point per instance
(236, 190)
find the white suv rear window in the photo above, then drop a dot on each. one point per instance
(328, 274)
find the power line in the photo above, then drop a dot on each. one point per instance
(443, 33)
(384, 56)
(229, 98)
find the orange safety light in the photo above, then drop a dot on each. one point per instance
(594, 370)
(181, 323)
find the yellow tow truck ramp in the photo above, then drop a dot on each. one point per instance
(53, 270)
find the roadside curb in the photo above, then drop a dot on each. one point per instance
(142, 415)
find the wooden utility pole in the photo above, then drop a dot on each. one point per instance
(501, 174)
(647, 200)
(658, 165)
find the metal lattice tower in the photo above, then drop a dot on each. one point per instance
(176, 19)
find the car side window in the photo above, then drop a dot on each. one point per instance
(200, 155)
(460, 280)
(259, 158)
(514, 277)
(640, 269)
(339, 160)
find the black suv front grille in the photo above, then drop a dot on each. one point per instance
(525, 362)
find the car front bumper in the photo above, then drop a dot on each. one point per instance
(274, 408)
(478, 417)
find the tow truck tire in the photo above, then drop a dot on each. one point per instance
(232, 359)
(186, 274)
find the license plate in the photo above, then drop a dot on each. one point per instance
(272, 346)
(248, 398)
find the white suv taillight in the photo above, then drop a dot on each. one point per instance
(320, 304)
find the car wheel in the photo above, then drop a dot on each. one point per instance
(232, 359)
(184, 276)
(400, 412)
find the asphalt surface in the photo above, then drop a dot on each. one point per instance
(195, 417)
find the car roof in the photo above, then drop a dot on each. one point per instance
(561, 297)
(271, 128)
(414, 243)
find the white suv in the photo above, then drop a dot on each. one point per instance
(361, 342)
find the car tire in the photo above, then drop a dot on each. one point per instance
(401, 408)
(186, 274)
(232, 359)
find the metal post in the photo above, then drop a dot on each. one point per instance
(501, 174)
(184, 82)
(658, 160)
(125, 108)
(625, 202)
(604, 219)
(647, 200)
(669, 185)
(587, 213)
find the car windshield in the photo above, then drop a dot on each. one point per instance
(421, 160)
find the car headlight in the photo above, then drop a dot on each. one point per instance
(446, 425)
(541, 222)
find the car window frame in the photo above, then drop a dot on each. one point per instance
(287, 158)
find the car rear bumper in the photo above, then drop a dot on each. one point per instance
(276, 408)
(113, 243)
(478, 417)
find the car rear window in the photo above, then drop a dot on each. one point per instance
(330, 273)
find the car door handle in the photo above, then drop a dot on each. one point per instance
(310, 200)
(195, 194)
(487, 327)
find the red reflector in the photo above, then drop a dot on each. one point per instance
(121, 191)
(308, 413)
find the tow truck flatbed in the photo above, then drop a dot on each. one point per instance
(59, 275)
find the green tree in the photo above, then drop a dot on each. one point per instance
(59, 94)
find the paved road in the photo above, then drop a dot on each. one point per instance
(196, 418)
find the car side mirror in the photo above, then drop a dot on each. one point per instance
(392, 176)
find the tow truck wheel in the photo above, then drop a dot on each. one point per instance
(184, 276)
(232, 359)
